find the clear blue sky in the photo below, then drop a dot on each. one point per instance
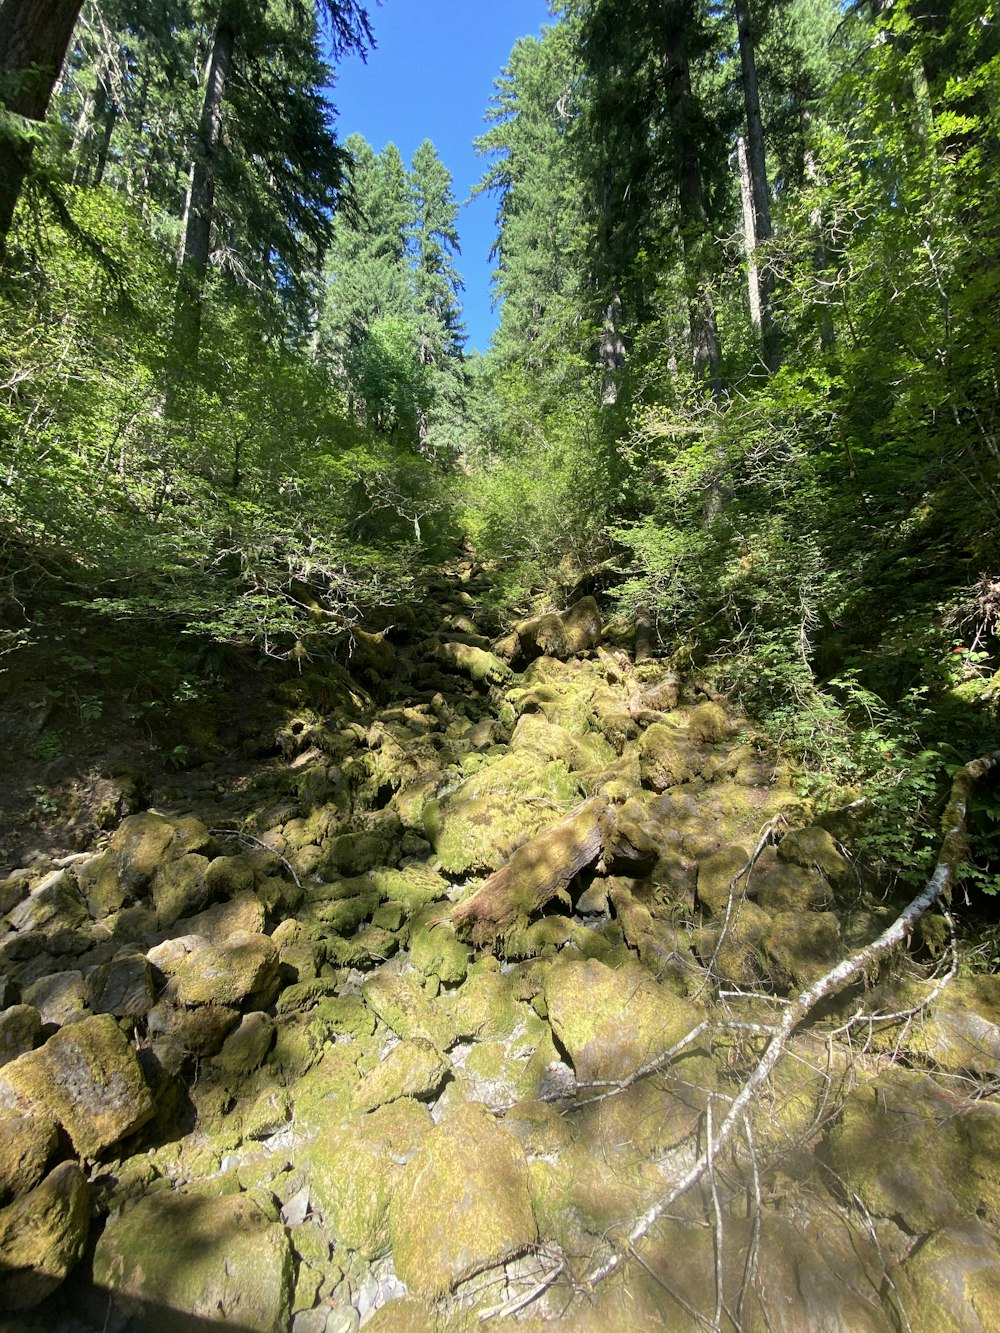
(431, 77)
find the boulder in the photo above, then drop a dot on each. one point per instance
(140, 845)
(245, 1047)
(180, 887)
(87, 1079)
(814, 847)
(27, 1143)
(20, 1028)
(953, 1280)
(411, 1069)
(177, 1261)
(42, 1236)
(402, 1006)
(123, 987)
(55, 903)
(715, 879)
(561, 634)
(355, 1165)
(201, 972)
(663, 757)
(59, 997)
(613, 1021)
(462, 1205)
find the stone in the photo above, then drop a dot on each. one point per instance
(403, 1007)
(180, 888)
(484, 1005)
(87, 1079)
(814, 846)
(173, 1259)
(613, 1021)
(60, 997)
(230, 875)
(355, 1166)
(663, 757)
(715, 876)
(227, 973)
(406, 1315)
(802, 946)
(20, 1028)
(463, 1203)
(411, 1069)
(140, 845)
(178, 1033)
(245, 1047)
(436, 950)
(708, 724)
(101, 886)
(244, 911)
(42, 1237)
(55, 903)
(953, 1280)
(123, 987)
(13, 890)
(410, 887)
(562, 634)
(27, 1143)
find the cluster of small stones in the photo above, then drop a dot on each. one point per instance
(250, 1073)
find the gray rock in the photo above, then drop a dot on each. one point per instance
(42, 1236)
(123, 987)
(20, 1027)
(60, 998)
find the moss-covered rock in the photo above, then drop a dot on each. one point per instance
(176, 1258)
(462, 1204)
(664, 757)
(435, 949)
(784, 886)
(42, 1237)
(411, 1069)
(54, 903)
(561, 634)
(613, 1022)
(180, 888)
(814, 846)
(245, 964)
(484, 1005)
(479, 665)
(412, 886)
(716, 876)
(802, 946)
(739, 953)
(355, 1168)
(27, 1143)
(246, 1046)
(709, 723)
(402, 1006)
(87, 1079)
(953, 1280)
(898, 1147)
(481, 823)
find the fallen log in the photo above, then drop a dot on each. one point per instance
(537, 872)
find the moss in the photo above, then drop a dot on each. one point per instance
(354, 1169)
(401, 1004)
(411, 1069)
(484, 1005)
(42, 1237)
(708, 724)
(462, 1203)
(435, 949)
(86, 1078)
(801, 947)
(740, 957)
(613, 1022)
(953, 1280)
(482, 822)
(182, 1257)
(814, 846)
(663, 757)
(412, 886)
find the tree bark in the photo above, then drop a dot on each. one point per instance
(201, 193)
(684, 116)
(770, 343)
(34, 37)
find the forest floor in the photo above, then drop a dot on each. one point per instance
(409, 994)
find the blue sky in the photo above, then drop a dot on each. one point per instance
(431, 77)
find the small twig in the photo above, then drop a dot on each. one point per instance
(248, 837)
(717, 1239)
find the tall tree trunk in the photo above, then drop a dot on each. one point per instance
(684, 116)
(34, 37)
(749, 234)
(201, 194)
(770, 340)
(612, 352)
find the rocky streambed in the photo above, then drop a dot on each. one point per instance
(411, 1027)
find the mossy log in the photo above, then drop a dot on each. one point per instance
(537, 872)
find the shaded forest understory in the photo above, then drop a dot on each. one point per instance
(461, 810)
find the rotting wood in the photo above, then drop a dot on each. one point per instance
(644, 647)
(537, 872)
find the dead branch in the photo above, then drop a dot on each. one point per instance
(940, 883)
